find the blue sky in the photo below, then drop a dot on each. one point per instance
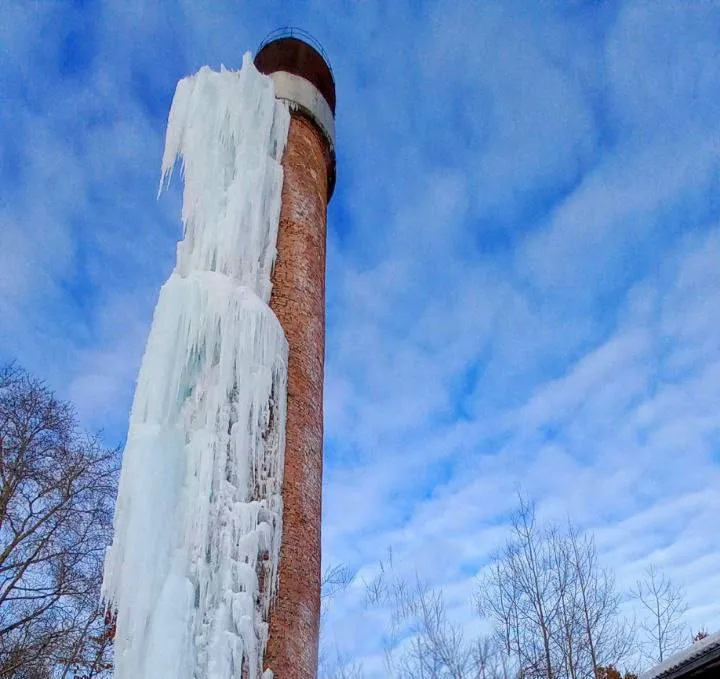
(523, 261)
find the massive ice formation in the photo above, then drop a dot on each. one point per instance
(193, 565)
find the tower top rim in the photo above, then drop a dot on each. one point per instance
(296, 51)
(299, 34)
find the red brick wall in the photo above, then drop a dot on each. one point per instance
(298, 300)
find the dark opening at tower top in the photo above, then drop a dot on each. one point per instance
(295, 51)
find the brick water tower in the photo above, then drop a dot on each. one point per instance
(302, 76)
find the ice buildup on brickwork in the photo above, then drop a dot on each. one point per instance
(193, 565)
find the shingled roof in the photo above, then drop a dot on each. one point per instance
(697, 660)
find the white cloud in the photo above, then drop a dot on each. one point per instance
(522, 266)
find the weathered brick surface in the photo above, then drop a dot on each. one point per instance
(298, 300)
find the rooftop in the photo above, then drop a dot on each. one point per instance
(699, 660)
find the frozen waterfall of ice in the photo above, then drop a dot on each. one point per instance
(193, 565)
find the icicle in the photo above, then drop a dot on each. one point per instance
(193, 565)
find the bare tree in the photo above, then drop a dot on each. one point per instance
(438, 648)
(57, 486)
(334, 580)
(567, 641)
(555, 611)
(341, 667)
(488, 661)
(663, 604)
(605, 638)
(332, 663)
(422, 642)
(518, 594)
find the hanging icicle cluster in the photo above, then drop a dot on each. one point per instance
(193, 564)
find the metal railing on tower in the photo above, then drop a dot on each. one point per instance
(300, 34)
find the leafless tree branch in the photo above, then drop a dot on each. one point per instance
(57, 487)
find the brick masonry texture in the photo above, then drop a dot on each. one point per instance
(298, 300)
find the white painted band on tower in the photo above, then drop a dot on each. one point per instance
(303, 95)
